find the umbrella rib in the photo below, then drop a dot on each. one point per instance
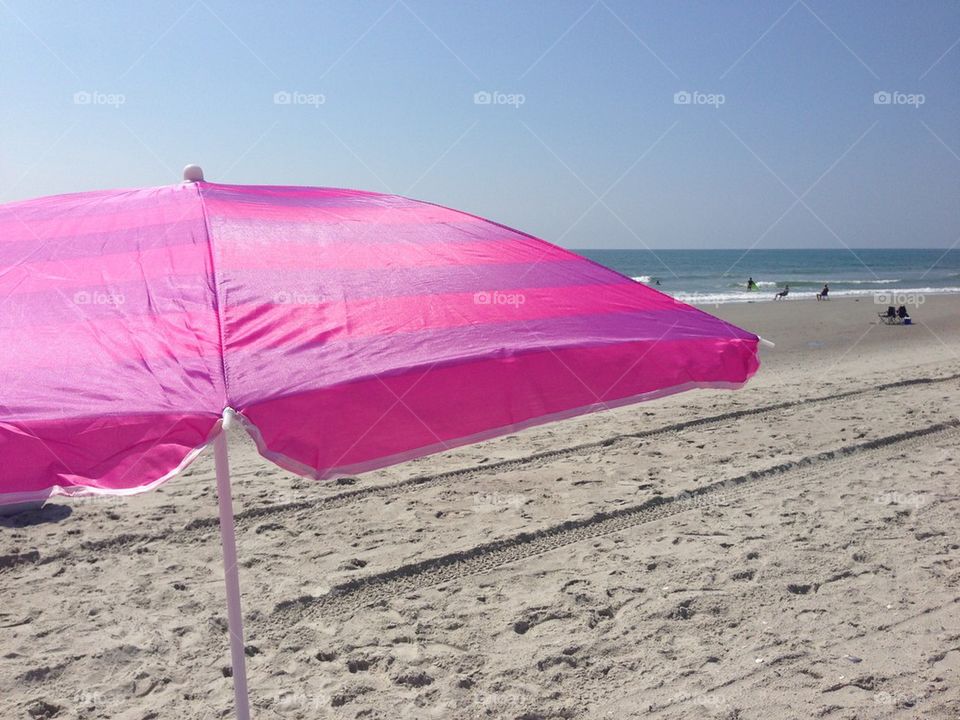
(218, 311)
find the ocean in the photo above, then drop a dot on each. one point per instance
(720, 276)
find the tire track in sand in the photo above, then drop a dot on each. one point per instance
(365, 591)
(203, 526)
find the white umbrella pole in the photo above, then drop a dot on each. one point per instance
(230, 574)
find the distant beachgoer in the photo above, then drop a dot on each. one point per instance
(783, 293)
(751, 285)
(657, 282)
(822, 295)
(902, 312)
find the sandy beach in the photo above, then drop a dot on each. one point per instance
(789, 550)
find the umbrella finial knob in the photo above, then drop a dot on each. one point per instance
(229, 419)
(192, 173)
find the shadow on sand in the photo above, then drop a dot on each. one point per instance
(19, 517)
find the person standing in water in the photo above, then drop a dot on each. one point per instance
(751, 285)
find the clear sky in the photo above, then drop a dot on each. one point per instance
(584, 140)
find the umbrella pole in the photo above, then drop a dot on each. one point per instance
(231, 576)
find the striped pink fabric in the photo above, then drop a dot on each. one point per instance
(349, 329)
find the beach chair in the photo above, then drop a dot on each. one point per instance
(890, 316)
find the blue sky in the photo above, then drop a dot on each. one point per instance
(782, 144)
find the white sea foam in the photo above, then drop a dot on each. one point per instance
(818, 283)
(743, 296)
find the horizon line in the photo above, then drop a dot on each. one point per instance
(662, 249)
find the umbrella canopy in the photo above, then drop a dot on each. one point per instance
(345, 330)
(348, 330)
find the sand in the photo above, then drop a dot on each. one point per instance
(789, 550)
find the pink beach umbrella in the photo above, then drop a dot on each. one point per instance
(343, 330)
